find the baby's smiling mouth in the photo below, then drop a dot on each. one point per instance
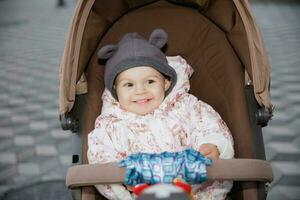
(142, 101)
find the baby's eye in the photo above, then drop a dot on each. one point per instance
(128, 85)
(150, 81)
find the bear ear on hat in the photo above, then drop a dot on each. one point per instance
(158, 38)
(107, 51)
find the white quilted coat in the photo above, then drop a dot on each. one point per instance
(181, 121)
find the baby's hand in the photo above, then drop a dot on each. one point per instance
(210, 150)
(129, 188)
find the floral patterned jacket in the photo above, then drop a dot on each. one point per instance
(181, 121)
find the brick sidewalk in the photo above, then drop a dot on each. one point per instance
(33, 148)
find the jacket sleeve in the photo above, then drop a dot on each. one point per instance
(101, 150)
(208, 127)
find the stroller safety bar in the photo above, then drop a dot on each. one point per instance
(223, 169)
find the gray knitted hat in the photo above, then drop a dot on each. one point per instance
(133, 51)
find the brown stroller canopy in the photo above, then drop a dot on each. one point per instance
(233, 17)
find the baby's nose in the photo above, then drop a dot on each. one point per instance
(140, 88)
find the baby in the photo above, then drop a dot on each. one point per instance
(147, 108)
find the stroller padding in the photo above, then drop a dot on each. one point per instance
(229, 169)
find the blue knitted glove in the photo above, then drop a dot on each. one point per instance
(189, 165)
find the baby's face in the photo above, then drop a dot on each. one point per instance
(141, 90)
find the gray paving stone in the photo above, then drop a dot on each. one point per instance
(284, 192)
(38, 125)
(275, 194)
(41, 190)
(53, 175)
(286, 173)
(8, 157)
(279, 133)
(280, 105)
(24, 140)
(25, 153)
(66, 146)
(3, 189)
(19, 119)
(51, 113)
(294, 98)
(281, 119)
(3, 96)
(60, 134)
(275, 93)
(21, 180)
(289, 78)
(66, 159)
(46, 150)
(17, 102)
(8, 172)
(28, 169)
(33, 108)
(5, 122)
(19, 110)
(14, 88)
(292, 88)
(43, 137)
(296, 141)
(49, 164)
(54, 124)
(295, 124)
(282, 151)
(6, 132)
(5, 144)
(21, 129)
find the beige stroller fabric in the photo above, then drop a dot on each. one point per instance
(244, 36)
(227, 169)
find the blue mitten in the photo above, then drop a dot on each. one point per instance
(189, 165)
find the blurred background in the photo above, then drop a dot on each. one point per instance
(35, 153)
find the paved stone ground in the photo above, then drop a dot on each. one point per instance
(280, 24)
(33, 149)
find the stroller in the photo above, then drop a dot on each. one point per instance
(218, 38)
